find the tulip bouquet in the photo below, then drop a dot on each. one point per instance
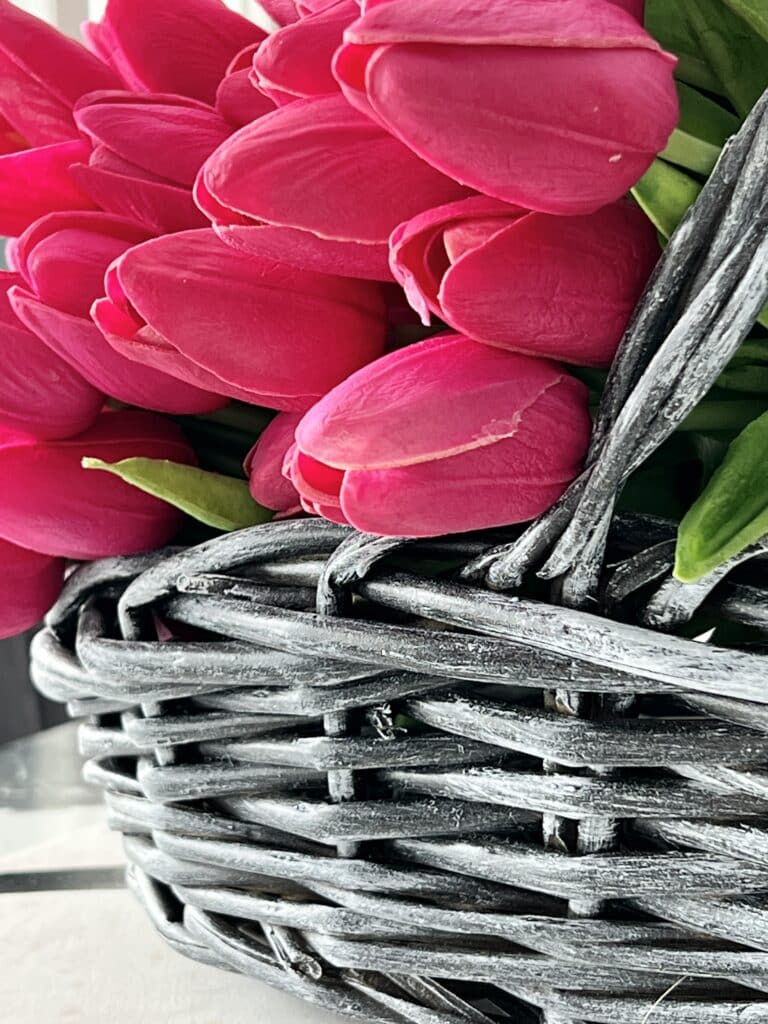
(389, 246)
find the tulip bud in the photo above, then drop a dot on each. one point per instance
(321, 167)
(558, 107)
(242, 326)
(62, 259)
(563, 287)
(264, 465)
(179, 46)
(29, 584)
(295, 61)
(40, 393)
(444, 436)
(43, 73)
(49, 503)
(238, 100)
(147, 152)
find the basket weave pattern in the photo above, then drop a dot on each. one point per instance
(369, 785)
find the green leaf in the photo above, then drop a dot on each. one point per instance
(754, 12)
(667, 23)
(219, 501)
(665, 193)
(733, 49)
(701, 133)
(732, 511)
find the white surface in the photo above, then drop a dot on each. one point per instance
(93, 958)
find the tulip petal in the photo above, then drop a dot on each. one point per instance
(591, 270)
(81, 344)
(476, 490)
(431, 400)
(42, 74)
(417, 254)
(168, 136)
(29, 585)
(556, 23)
(321, 166)
(305, 251)
(283, 12)
(264, 464)
(253, 323)
(161, 208)
(61, 242)
(559, 130)
(237, 99)
(50, 503)
(296, 60)
(40, 394)
(35, 182)
(179, 46)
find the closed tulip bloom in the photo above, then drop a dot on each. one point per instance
(558, 107)
(321, 167)
(29, 584)
(147, 151)
(563, 287)
(264, 465)
(49, 503)
(242, 326)
(179, 46)
(61, 261)
(42, 75)
(238, 100)
(40, 393)
(444, 436)
(295, 61)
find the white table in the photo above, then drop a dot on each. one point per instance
(74, 946)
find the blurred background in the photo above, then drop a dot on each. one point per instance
(23, 711)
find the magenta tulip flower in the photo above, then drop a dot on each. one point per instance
(563, 287)
(321, 167)
(558, 107)
(40, 393)
(242, 326)
(282, 12)
(238, 100)
(62, 260)
(147, 151)
(295, 61)
(444, 436)
(49, 503)
(179, 46)
(29, 584)
(264, 465)
(43, 73)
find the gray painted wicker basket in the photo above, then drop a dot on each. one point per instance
(383, 776)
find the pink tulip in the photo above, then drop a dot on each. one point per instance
(34, 182)
(295, 61)
(444, 436)
(321, 167)
(238, 100)
(49, 503)
(40, 393)
(635, 7)
(559, 106)
(264, 465)
(242, 326)
(43, 73)
(563, 287)
(147, 152)
(62, 259)
(179, 46)
(29, 584)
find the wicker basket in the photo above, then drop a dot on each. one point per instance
(392, 779)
